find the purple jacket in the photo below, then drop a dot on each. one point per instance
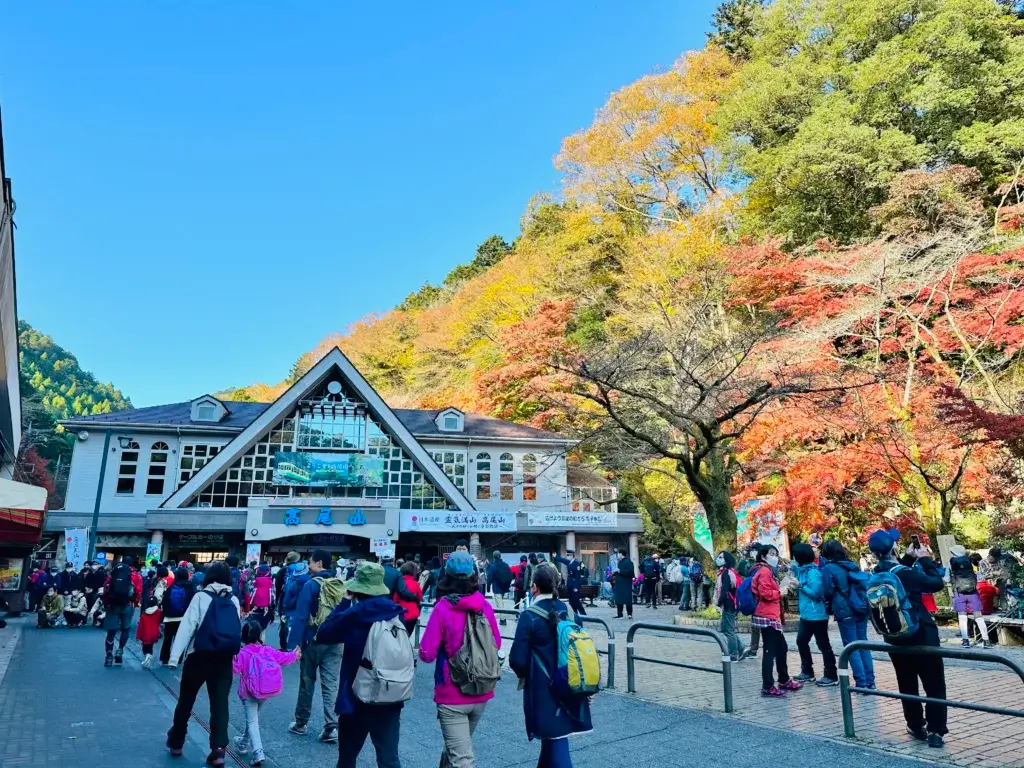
(443, 638)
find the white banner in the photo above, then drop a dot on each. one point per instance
(425, 520)
(75, 542)
(252, 551)
(572, 520)
(380, 545)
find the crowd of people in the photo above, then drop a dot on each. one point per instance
(347, 626)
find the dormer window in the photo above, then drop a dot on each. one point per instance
(206, 412)
(208, 409)
(450, 420)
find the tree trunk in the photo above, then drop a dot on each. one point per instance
(711, 487)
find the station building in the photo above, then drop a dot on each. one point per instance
(330, 465)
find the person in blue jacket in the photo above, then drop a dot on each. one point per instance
(813, 619)
(573, 581)
(369, 601)
(296, 576)
(534, 659)
(837, 574)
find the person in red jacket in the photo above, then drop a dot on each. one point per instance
(768, 618)
(409, 573)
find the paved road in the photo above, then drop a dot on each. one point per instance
(60, 707)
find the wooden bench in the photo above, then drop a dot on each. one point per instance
(588, 592)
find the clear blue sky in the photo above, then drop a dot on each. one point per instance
(205, 190)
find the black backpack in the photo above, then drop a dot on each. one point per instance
(961, 574)
(651, 570)
(501, 576)
(121, 587)
(221, 629)
(521, 578)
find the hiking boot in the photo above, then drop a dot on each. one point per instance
(216, 757)
(257, 758)
(119, 656)
(329, 735)
(108, 661)
(918, 733)
(966, 643)
(826, 682)
(934, 740)
(241, 745)
(804, 677)
(772, 692)
(298, 730)
(791, 685)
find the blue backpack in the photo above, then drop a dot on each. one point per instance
(858, 595)
(888, 605)
(696, 572)
(221, 629)
(177, 601)
(745, 600)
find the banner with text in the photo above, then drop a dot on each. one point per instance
(476, 522)
(571, 520)
(75, 542)
(252, 551)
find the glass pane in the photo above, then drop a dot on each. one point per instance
(529, 494)
(506, 492)
(483, 492)
(126, 485)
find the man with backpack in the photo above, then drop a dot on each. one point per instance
(237, 579)
(966, 599)
(846, 592)
(573, 581)
(697, 584)
(122, 591)
(319, 596)
(500, 577)
(520, 584)
(894, 604)
(652, 575)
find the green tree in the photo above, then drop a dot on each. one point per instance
(488, 253)
(733, 24)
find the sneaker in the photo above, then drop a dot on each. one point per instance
(772, 692)
(918, 733)
(934, 740)
(216, 757)
(791, 685)
(966, 643)
(988, 645)
(805, 677)
(749, 653)
(298, 730)
(176, 751)
(257, 758)
(241, 745)
(826, 682)
(108, 661)
(147, 660)
(118, 656)
(329, 735)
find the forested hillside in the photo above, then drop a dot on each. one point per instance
(788, 268)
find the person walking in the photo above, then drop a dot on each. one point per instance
(500, 577)
(966, 599)
(319, 596)
(534, 659)
(846, 591)
(726, 583)
(459, 711)
(212, 627)
(298, 575)
(623, 586)
(813, 620)
(122, 591)
(259, 679)
(280, 582)
(768, 618)
(652, 575)
(369, 602)
(520, 583)
(261, 601)
(393, 580)
(174, 604)
(75, 608)
(411, 607)
(573, 581)
(929, 723)
(148, 630)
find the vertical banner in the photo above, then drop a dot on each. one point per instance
(153, 551)
(75, 542)
(252, 551)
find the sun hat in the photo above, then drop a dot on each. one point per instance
(957, 550)
(369, 580)
(292, 557)
(459, 564)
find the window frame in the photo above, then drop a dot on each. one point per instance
(128, 469)
(159, 447)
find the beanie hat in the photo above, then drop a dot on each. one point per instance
(459, 564)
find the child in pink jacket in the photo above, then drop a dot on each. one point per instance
(258, 667)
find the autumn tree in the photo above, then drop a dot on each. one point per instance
(734, 26)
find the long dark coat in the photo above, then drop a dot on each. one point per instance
(623, 586)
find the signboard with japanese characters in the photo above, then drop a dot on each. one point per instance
(571, 520)
(446, 520)
(380, 545)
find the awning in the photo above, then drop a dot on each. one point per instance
(22, 508)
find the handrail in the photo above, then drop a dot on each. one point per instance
(610, 653)
(845, 689)
(725, 671)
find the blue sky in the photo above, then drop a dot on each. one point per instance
(205, 190)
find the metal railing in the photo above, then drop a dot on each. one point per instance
(424, 606)
(845, 689)
(610, 653)
(725, 671)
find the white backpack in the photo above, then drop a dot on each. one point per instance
(386, 674)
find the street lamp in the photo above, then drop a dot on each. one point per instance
(125, 442)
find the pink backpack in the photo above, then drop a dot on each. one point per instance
(263, 589)
(263, 676)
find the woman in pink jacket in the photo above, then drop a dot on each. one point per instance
(457, 712)
(768, 618)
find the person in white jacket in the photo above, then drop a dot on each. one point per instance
(211, 668)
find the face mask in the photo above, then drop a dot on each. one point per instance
(720, 561)
(773, 560)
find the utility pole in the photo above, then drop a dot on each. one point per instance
(99, 495)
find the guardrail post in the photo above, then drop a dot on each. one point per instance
(630, 663)
(844, 693)
(727, 681)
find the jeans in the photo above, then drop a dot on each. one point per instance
(554, 753)
(728, 628)
(327, 660)
(861, 663)
(819, 631)
(458, 721)
(252, 723)
(929, 669)
(684, 601)
(775, 648)
(755, 640)
(214, 671)
(381, 724)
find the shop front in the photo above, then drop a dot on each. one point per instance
(202, 547)
(22, 509)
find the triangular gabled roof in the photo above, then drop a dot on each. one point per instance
(287, 402)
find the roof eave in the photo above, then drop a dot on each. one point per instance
(73, 425)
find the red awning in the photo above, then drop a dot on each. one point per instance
(22, 508)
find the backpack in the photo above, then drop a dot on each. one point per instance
(332, 591)
(386, 674)
(962, 576)
(475, 668)
(857, 597)
(888, 605)
(121, 587)
(579, 671)
(261, 595)
(650, 569)
(521, 578)
(263, 677)
(236, 584)
(745, 599)
(177, 601)
(501, 576)
(696, 571)
(221, 629)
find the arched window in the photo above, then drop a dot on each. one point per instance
(126, 471)
(483, 475)
(506, 467)
(529, 477)
(157, 468)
